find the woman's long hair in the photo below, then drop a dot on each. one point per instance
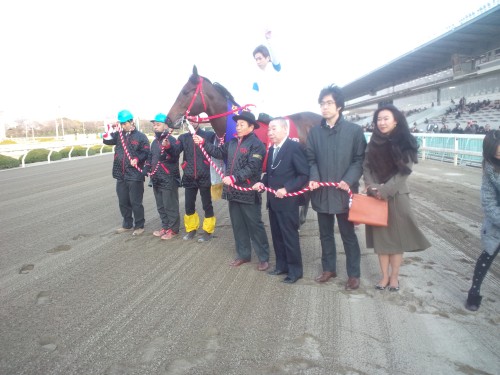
(491, 142)
(400, 144)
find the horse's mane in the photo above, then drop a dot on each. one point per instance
(221, 89)
(225, 92)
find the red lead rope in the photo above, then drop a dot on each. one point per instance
(294, 194)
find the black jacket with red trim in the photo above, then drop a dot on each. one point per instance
(137, 145)
(195, 168)
(244, 164)
(163, 166)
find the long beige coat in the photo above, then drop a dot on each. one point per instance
(402, 234)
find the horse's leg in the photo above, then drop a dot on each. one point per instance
(304, 209)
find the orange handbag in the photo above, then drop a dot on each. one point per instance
(368, 210)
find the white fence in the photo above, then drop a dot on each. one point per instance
(459, 149)
(20, 150)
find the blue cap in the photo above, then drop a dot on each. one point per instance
(160, 117)
(124, 116)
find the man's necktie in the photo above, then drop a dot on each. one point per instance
(275, 152)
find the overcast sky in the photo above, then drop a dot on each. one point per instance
(89, 59)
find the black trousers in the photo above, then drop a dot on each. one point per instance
(206, 200)
(326, 224)
(167, 204)
(286, 242)
(248, 230)
(130, 195)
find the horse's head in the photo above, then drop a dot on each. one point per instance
(199, 95)
(188, 102)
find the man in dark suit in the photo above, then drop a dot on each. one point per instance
(287, 171)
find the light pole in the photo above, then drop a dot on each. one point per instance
(62, 122)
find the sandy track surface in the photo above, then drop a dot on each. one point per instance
(76, 298)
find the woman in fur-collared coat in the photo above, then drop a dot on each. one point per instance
(490, 201)
(389, 159)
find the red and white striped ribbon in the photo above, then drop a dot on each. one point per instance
(163, 149)
(120, 132)
(294, 194)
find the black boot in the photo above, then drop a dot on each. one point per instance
(205, 237)
(189, 235)
(473, 302)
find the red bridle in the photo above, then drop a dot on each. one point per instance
(197, 119)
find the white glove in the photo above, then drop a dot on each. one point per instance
(109, 129)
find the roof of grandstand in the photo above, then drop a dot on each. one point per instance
(468, 40)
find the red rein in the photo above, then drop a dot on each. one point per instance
(294, 194)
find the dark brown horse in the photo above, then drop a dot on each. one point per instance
(200, 95)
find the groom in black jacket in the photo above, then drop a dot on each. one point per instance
(244, 155)
(287, 171)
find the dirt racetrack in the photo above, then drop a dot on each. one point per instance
(76, 298)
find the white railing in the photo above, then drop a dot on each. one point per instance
(459, 149)
(463, 149)
(22, 150)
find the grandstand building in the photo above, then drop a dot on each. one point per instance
(430, 81)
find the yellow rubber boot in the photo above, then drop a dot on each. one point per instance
(209, 224)
(191, 223)
(208, 229)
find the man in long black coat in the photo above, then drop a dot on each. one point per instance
(335, 152)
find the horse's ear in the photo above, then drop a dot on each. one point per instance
(195, 70)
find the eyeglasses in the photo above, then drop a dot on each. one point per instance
(328, 103)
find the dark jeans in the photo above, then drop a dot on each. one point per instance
(130, 195)
(482, 266)
(248, 230)
(167, 204)
(206, 201)
(326, 224)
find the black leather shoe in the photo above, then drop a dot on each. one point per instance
(276, 272)
(290, 280)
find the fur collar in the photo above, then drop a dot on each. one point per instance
(387, 155)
